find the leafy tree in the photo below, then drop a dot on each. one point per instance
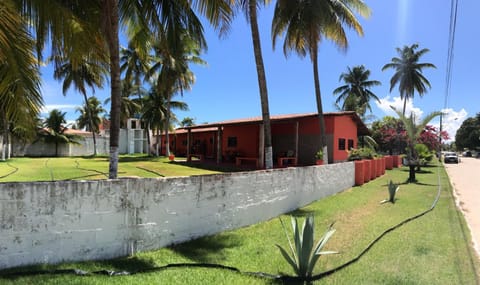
(305, 24)
(390, 135)
(409, 73)
(356, 93)
(187, 122)
(430, 137)
(468, 135)
(77, 28)
(413, 131)
(54, 130)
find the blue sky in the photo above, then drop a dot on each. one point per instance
(227, 87)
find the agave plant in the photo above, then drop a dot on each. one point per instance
(392, 190)
(304, 255)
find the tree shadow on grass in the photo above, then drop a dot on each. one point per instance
(208, 249)
(300, 212)
(129, 264)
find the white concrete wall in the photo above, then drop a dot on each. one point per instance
(50, 222)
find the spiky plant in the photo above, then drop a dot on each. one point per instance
(392, 191)
(304, 255)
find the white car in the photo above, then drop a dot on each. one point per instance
(450, 157)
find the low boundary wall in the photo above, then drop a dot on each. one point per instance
(51, 222)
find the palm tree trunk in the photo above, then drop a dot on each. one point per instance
(111, 14)
(167, 127)
(4, 138)
(318, 96)
(404, 105)
(157, 142)
(90, 122)
(148, 138)
(262, 83)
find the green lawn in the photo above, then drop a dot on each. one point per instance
(434, 249)
(77, 168)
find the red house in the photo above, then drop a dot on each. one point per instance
(293, 136)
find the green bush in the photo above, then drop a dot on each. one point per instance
(361, 153)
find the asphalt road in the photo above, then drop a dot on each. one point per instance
(465, 178)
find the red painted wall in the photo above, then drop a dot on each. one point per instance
(344, 128)
(247, 140)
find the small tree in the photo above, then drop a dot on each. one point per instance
(413, 131)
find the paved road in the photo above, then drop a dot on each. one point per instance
(465, 178)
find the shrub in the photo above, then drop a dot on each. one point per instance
(304, 255)
(361, 153)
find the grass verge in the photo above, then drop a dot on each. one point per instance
(434, 249)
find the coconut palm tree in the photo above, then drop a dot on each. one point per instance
(356, 93)
(90, 118)
(414, 130)
(54, 130)
(249, 7)
(409, 73)
(171, 70)
(305, 23)
(76, 28)
(156, 109)
(91, 73)
(20, 97)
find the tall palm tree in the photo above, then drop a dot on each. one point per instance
(20, 98)
(156, 109)
(77, 28)
(409, 73)
(356, 93)
(414, 130)
(55, 130)
(172, 70)
(90, 115)
(91, 73)
(249, 8)
(305, 23)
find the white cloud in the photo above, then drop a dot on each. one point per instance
(386, 103)
(452, 120)
(63, 107)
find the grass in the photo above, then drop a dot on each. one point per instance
(434, 249)
(87, 168)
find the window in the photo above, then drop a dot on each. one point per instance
(232, 142)
(341, 144)
(350, 144)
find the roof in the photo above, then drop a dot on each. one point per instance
(361, 127)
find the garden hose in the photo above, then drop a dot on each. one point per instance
(282, 278)
(15, 169)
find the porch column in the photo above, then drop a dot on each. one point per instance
(188, 143)
(261, 147)
(219, 144)
(296, 140)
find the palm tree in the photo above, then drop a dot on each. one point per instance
(305, 23)
(408, 73)
(156, 109)
(90, 115)
(77, 28)
(54, 130)
(356, 94)
(20, 98)
(89, 72)
(250, 7)
(414, 130)
(172, 71)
